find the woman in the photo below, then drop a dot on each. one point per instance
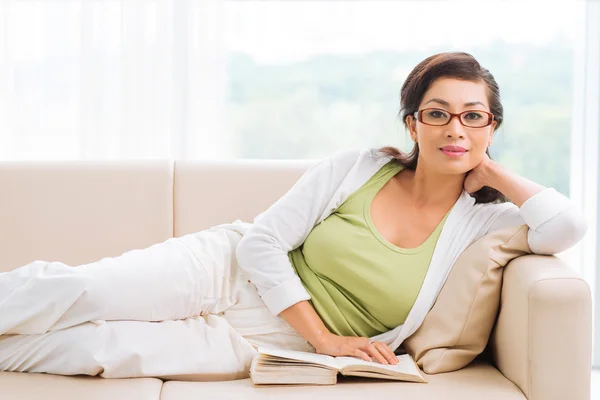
(347, 263)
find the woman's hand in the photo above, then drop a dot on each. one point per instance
(359, 347)
(493, 174)
(478, 176)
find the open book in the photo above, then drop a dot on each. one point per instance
(289, 367)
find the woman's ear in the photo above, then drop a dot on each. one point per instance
(412, 125)
(492, 131)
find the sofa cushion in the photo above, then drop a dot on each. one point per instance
(209, 193)
(458, 326)
(78, 212)
(477, 381)
(26, 386)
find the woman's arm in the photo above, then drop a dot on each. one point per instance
(263, 254)
(555, 223)
(304, 319)
(517, 188)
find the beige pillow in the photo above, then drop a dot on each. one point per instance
(458, 326)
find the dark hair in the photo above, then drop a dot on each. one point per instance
(446, 65)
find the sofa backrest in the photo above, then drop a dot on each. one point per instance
(78, 212)
(209, 193)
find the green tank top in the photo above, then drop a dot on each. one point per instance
(361, 284)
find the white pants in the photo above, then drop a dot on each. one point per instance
(181, 309)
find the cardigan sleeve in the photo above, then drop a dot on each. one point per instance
(283, 227)
(555, 223)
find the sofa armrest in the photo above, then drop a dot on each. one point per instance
(542, 340)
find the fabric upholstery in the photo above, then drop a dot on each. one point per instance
(21, 386)
(542, 340)
(77, 212)
(478, 381)
(458, 326)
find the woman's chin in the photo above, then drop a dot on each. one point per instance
(454, 170)
(448, 166)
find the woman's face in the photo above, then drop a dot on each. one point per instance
(455, 96)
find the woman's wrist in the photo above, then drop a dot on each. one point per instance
(320, 339)
(517, 188)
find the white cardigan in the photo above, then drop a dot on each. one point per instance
(555, 225)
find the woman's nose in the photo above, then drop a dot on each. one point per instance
(454, 128)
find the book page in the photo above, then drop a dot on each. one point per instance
(321, 359)
(405, 365)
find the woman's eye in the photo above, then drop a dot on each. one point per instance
(473, 115)
(437, 114)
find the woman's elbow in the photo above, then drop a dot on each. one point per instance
(566, 235)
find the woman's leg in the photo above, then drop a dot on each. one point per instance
(176, 279)
(200, 348)
(213, 347)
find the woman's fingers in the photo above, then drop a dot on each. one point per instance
(374, 351)
(361, 354)
(366, 350)
(387, 353)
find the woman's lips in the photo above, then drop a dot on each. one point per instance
(453, 151)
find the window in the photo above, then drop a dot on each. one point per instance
(305, 78)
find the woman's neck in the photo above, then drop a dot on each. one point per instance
(431, 189)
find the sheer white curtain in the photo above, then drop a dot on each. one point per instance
(110, 79)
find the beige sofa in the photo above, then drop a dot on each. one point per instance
(79, 212)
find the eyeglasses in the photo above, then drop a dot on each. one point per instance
(469, 118)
